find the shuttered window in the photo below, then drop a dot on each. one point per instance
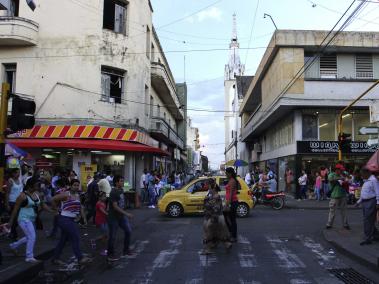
(363, 66)
(328, 66)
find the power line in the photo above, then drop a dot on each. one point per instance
(252, 30)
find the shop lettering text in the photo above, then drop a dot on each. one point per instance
(330, 147)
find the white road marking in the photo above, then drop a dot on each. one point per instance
(246, 258)
(163, 260)
(195, 281)
(299, 281)
(138, 247)
(242, 281)
(323, 256)
(207, 260)
(287, 259)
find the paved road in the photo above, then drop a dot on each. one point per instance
(273, 247)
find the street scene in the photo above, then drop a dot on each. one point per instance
(192, 142)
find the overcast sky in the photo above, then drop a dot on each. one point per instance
(181, 29)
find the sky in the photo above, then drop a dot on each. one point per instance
(198, 32)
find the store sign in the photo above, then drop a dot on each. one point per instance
(331, 147)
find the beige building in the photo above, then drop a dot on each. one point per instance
(96, 73)
(290, 123)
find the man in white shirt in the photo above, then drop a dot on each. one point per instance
(142, 187)
(248, 178)
(370, 201)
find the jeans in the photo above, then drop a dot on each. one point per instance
(113, 224)
(303, 191)
(151, 196)
(318, 193)
(30, 238)
(69, 231)
(325, 189)
(231, 219)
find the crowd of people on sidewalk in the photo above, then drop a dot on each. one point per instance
(103, 201)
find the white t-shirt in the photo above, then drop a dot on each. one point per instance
(142, 181)
(248, 178)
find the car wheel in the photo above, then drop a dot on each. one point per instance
(277, 203)
(174, 210)
(242, 210)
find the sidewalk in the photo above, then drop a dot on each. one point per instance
(347, 242)
(312, 204)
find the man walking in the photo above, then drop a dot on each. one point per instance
(118, 217)
(370, 201)
(337, 197)
(142, 187)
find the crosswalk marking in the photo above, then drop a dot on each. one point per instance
(138, 247)
(207, 260)
(324, 258)
(287, 259)
(246, 257)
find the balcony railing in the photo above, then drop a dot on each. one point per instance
(16, 31)
(160, 128)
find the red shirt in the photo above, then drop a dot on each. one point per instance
(232, 185)
(100, 218)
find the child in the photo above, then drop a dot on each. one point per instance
(101, 220)
(318, 184)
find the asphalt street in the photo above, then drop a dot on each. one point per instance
(273, 247)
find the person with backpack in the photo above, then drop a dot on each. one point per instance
(26, 211)
(337, 197)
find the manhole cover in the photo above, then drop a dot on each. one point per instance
(350, 276)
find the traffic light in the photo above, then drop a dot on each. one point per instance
(22, 116)
(344, 140)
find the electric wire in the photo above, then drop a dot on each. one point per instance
(252, 30)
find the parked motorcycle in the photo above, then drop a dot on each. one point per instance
(275, 200)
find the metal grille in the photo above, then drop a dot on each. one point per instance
(350, 276)
(328, 66)
(363, 66)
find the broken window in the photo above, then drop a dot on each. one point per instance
(114, 17)
(10, 76)
(112, 85)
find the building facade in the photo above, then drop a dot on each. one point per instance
(104, 91)
(293, 124)
(193, 146)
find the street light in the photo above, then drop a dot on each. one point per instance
(272, 20)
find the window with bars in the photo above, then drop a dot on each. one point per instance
(363, 66)
(112, 85)
(328, 66)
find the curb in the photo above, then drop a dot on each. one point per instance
(316, 208)
(359, 259)
(23, 272)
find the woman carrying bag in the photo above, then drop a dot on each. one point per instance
(28, 205)
(231, 203)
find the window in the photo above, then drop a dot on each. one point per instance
(328, 66)
(363, 66)
(112, 85)
(327, 127)
(11, 7)
(309, 127)
(10, 76)
(114, 17)
(148, 42)
(200, 186)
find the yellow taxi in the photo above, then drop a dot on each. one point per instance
(190, 198)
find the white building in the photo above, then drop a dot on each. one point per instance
(192, 146)
(104, 91)
(233, 68)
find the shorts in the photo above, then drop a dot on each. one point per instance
(103, 228)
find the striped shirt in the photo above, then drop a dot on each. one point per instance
(71, 207)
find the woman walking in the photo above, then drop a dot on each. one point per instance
(214, 226)
(71, 209)
(27, 206)
(15, 188)
(231, 203)
(318, 184)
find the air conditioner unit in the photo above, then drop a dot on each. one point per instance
(258, 148)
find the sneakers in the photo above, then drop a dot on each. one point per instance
(31, 260)
(151, 206)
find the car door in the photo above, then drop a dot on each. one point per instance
(196, 193)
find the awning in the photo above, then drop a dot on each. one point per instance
(91, 144)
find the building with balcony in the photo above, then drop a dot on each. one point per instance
(104, 91)
(293, 124)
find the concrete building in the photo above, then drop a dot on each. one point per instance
(295, 125)
(104, 91)
(193, 145)
(233, 68)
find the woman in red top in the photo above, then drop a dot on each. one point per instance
(231, 203)
(101, 219)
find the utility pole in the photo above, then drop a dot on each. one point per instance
(340, 124)
(3, 126)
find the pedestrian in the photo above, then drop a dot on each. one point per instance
(109, 177)
(118, 217)
(303, 180)
(26, 210)
(337, 197)
(288, 177)
(248, 178)
(214, 226)
(71, 210)
(370, 202)
(231, 203)
(151, 189)
(324, 172)
(142, 187)
(15, 188)
(317, 186)
(101, 220)
(92, 196)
